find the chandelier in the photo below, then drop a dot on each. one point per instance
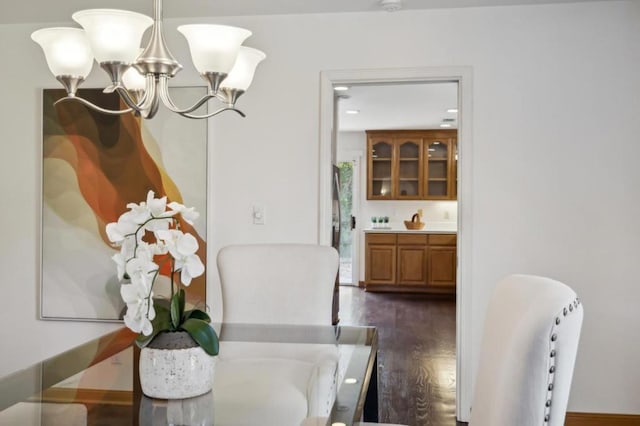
(113, 38)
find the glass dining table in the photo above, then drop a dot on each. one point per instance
(264, 375)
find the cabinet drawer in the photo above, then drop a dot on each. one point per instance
(381, 238)
(442, 239)
(412, 239)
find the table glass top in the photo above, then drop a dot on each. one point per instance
(264, 375)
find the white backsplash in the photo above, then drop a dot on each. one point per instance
(399, 211)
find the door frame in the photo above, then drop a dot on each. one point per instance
(464, 287)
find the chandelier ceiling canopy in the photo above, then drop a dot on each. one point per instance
(141, 77)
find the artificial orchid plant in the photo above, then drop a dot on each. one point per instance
(149, 237)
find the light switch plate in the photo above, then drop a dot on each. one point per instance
(258, 215)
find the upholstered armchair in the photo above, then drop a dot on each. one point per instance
(527, 354)
(288, 284)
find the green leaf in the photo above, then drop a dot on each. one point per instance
(182, 298)
(162, 322)
(175, 311)
(177, 308)
(197, 314)
(203, 334)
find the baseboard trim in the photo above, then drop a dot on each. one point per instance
(601, 419)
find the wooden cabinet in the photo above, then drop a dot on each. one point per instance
(411, 164)
(380, 168)
(412, 259)
(410, 262)
(442, 261)
(380, 253)
(409, 168)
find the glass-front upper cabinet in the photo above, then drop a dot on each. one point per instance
(409, 168)
(380, 169)
(454, 171)
(411, 164)
(438, 168)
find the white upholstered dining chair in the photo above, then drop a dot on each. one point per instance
(277, 283)
(288, 284)
(527, 354)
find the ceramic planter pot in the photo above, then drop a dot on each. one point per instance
(173, 366)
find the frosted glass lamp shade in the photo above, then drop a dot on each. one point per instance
(114, 35)
(214, 48)
(241, 74)
(133, 80)
(66, 50)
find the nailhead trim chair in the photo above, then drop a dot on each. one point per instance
(528, 353)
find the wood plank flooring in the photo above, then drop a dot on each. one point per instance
(416, 356)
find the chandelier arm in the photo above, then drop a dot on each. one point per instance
(168, 102)
(213, 113)
(128, 99)
(151, 111)
(93, 106)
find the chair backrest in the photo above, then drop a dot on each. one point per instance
(527, 354)
(277, 283)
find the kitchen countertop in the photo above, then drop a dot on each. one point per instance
(429, 228)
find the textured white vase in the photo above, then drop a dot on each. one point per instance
(175, 373)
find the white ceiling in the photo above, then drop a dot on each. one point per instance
(397, 106)
(24, 11)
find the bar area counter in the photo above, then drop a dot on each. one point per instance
(416, 261)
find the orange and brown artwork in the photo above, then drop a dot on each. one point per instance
(94, 164)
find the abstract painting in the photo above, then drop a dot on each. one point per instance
(94, 164)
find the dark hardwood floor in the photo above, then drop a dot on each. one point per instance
(416, 353)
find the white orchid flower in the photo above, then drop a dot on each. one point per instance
(183, 248)
(121, 263)
(118, 231)
(138, 213)
(158, 248)
(140, 312)
(141, 268)
(189, 214)
(126, 252)
(158, 211)
(136, 256)
(156, 206)
(191, 268)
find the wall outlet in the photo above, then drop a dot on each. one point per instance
(258, 215)
(446, 215)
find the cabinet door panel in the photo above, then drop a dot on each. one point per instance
(380, 169)
(412, 265)
(409, 178)
(442, 266)
(438, 169)
(381, 264)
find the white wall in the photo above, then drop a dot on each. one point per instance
(555, 147)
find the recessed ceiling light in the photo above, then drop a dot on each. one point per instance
(350, 380)
(352, 111)
(445, 125)
(453, 110)
(340, 88)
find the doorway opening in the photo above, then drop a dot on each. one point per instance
(349, 190)
(328, 157)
